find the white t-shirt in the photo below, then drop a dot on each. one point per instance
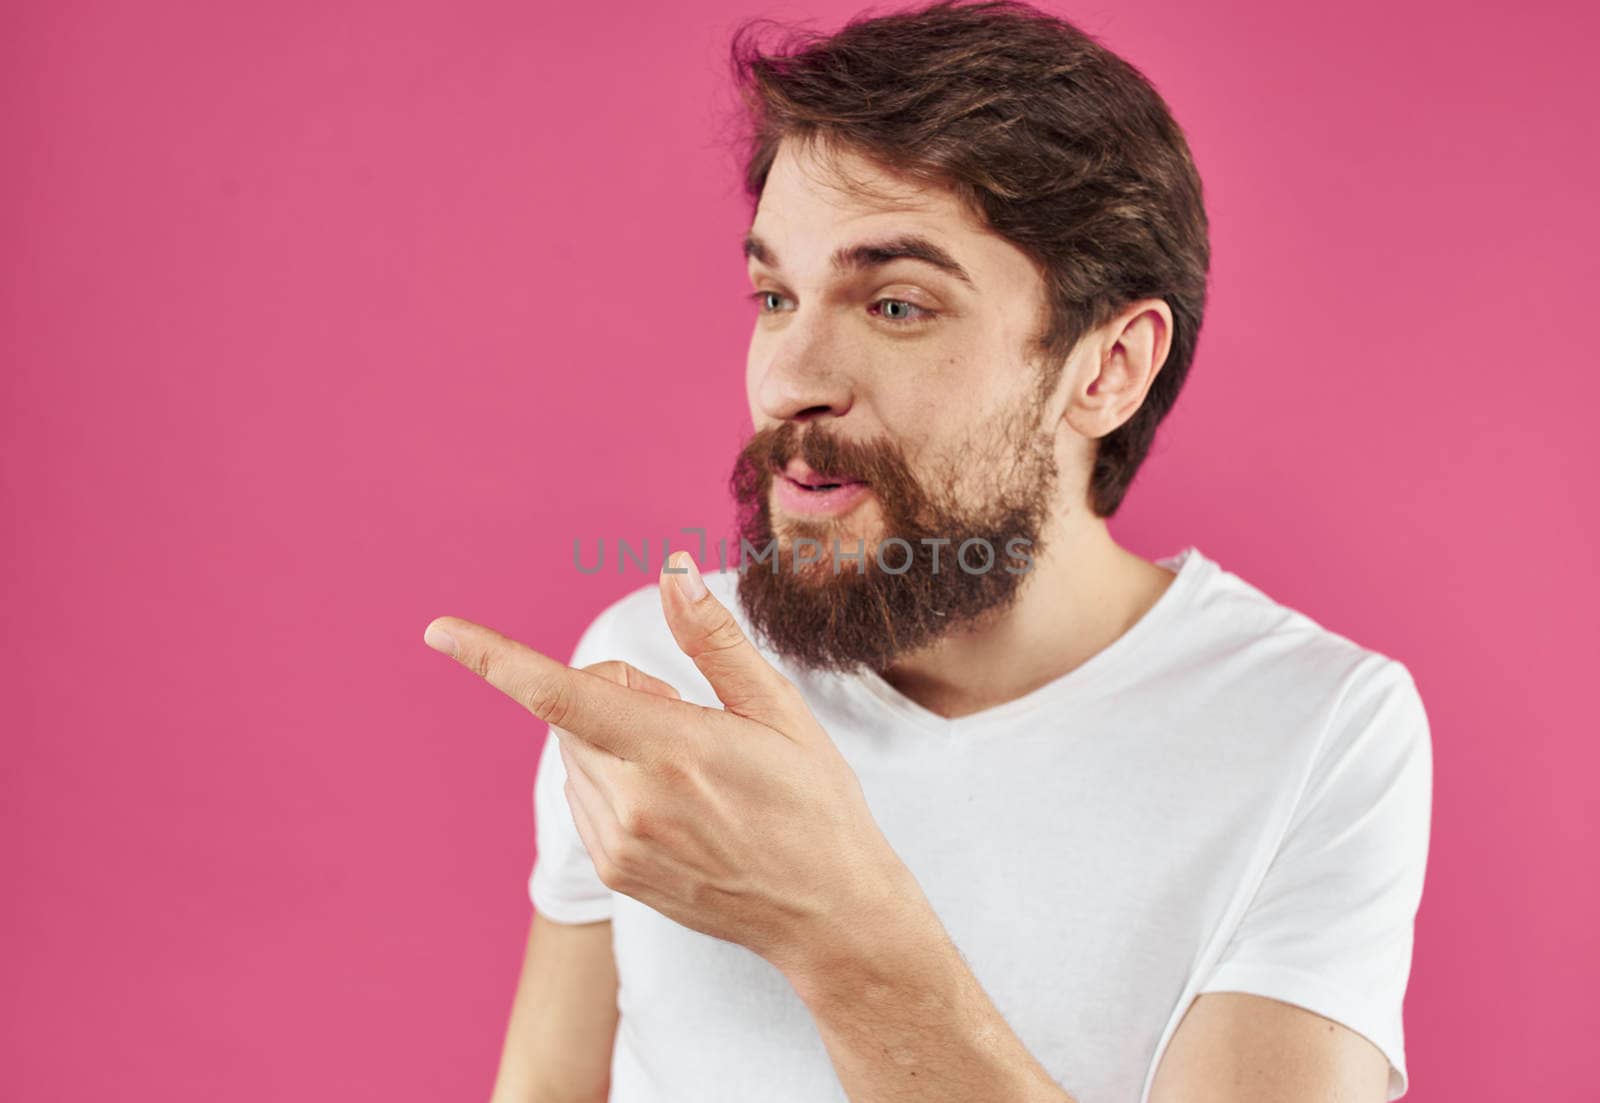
(1228, 797)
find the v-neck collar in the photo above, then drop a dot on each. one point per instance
(1187, 566)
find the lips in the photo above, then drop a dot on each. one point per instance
(799, 473)
(797, 489)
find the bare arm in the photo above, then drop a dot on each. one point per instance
(903, 1018)
(1235, 1047)
(563, 1017)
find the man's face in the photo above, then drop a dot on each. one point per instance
(904, 387)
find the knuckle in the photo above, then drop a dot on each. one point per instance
(636, 823)
(634, 678)
(723, 636)
(606, 869)
(551, 699)
(612, 670)
(623, 858)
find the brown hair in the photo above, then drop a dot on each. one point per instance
(1058, 145)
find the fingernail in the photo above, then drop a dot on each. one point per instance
(440, 640)
(690, 584)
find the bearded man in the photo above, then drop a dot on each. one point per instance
(941, 794)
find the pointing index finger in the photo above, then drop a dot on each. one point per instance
(597, 710)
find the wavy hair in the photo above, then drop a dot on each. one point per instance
(1054, 142)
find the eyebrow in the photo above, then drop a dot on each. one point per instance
(872, 254)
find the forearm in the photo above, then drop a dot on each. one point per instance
(903, 1017)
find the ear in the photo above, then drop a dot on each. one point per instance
(1121, 361)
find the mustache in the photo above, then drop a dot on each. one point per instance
(876, 461)
(872, 615)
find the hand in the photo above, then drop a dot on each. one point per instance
(743, 822)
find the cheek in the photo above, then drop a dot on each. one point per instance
(954, 442)
(924, 420)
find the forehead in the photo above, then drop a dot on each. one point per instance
(815, 174)
(819, 200)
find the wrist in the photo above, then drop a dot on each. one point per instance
(880, 934)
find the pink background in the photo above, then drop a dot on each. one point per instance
(321, 320)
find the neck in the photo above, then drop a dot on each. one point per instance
(1083, 592)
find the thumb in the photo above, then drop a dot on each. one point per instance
(742, 679)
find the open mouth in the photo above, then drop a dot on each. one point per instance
(821, 486)
(806, 479)
(800, 489)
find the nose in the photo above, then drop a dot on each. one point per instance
(802, 379)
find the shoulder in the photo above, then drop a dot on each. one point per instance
(1247, 645)
(1277, 637)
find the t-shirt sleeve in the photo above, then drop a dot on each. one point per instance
(1330, 928)
(563, 884)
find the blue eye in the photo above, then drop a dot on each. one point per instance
(761, 295)
(902, 320)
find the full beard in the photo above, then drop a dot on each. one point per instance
(841, 613)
